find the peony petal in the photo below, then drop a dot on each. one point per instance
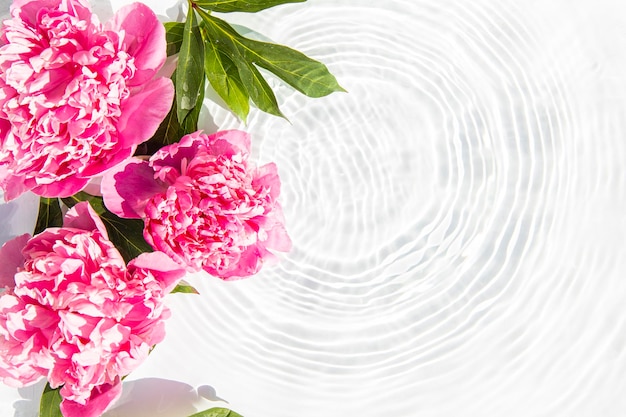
(82, 10)
(277, 237)
(173, 155)
(164, 269)
(27, 9)
(128, 187)
(82, 216)
(101, 398)
(11, 259)
(99, 166)
(127, 55)
(61, 188)
(249, 263)
(142, 113)
(144, 38)
(12, 185)
(93, 186)
(5, 127)
(220, 213)
(229, 142)
(267, 178)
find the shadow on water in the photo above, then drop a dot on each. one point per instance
(157, 397)
(146, 397)
(18, 216)
(28, 406)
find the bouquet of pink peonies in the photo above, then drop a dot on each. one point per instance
(132, 195)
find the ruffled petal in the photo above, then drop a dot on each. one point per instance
(11, 259)
(127, 188)
(186, 148)
(82, 216)
(144, 38)
(277, 237)
(267, 178)
(13, 185)
(229, 142)
(27, 9)
(164, 269)
(77, 101)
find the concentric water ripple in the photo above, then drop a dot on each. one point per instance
(457, 219)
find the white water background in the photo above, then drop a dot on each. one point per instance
(458, 220)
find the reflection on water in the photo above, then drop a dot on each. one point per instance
(457, 219)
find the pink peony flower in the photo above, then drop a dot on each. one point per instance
(72, 311)
(76, 96)
(203, 203)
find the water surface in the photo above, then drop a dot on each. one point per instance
(458, 221)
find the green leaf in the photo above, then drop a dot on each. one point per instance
(259, 90)
(50, 402)
(125, 234)
(224, 78)
(216, 412)
(185, 288)
(174, 36)
(97, 203)
(250, 6)
(229, 44)
(50, 214)
(306, 75)
(190, 124)
(190, 68)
